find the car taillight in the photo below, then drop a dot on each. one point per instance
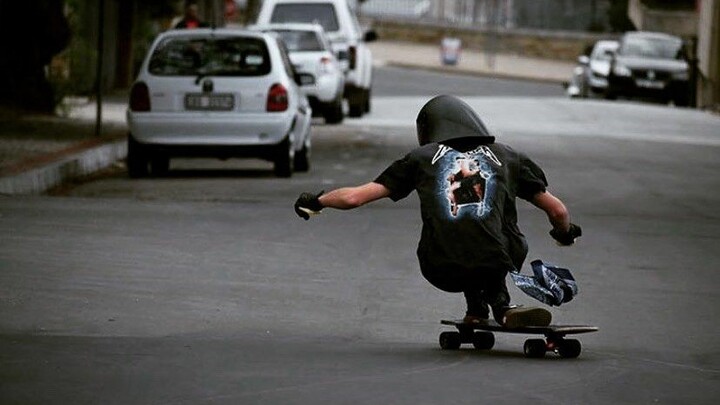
(352, 56)
(140, 97)
(277, 99)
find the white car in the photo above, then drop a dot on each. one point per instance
(347, 38)
(590, 77)
(321, 77)
(219, 93)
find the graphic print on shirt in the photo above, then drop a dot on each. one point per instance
(466, 181)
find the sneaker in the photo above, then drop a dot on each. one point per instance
(531, 316)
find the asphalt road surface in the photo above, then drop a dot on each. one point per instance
(391, 81)
(204, 287)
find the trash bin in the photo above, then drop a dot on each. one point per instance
(450, 50)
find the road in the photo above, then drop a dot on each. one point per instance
(390, 81)
(203, 287)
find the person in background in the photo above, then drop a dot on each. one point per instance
(191, 18)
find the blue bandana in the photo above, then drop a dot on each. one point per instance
(550, 284)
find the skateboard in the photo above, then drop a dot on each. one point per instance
(481, 336)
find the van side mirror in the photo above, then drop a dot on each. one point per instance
(370, 36)
(583, 60)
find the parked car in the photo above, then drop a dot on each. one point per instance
(590, 76)
(650, 65)
(321, 77)
(346, 37)
(219, 93)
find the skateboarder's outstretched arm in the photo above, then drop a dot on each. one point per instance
(342, 198)
(564, 232)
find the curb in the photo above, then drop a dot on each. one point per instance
(71, 165)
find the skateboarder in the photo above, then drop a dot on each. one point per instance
(467, 185)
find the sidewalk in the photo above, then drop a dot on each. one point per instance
(38, 153)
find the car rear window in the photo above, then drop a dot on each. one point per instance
(300, 41)
(216, 56)
(322, 13)
(659, 48)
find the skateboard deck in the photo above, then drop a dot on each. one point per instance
(481, 336)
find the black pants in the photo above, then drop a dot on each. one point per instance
(495, 295)
(482, 287)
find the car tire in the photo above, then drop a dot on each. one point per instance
(356, 109)
(302, 158)
(368, 94)
(159, 165)
(137, 161)
(356, 101)
(333, 112)
(284, 158)
(681, 101)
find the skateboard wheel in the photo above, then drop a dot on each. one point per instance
(450, 340)
(569, 348)
(483, 340)
(534, 348)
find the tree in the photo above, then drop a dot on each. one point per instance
(33, 31)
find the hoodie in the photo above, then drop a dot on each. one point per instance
(467, 185)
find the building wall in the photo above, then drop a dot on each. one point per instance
(708, 51)
(557, 45)
(680, 23)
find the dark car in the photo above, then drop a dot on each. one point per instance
(650, 65)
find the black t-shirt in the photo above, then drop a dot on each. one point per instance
(467, 196)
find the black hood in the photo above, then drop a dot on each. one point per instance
(447, 117)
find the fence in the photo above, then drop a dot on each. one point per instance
(570, 15)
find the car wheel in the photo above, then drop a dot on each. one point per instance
(284, 158)
(356, 109)
(302, 158)
(368, 94)
(137, 162)
(356, 100)
(333, 113)
(159, 165)
(681, 101)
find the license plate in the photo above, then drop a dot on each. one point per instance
(650, 84)
(209, 102)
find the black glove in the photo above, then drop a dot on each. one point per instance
(307, 204)
(567, 238)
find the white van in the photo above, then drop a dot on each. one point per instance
(344, 32)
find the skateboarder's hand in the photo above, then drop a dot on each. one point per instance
(566, 238)
(308, 204)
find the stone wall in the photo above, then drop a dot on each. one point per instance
(558, 45)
